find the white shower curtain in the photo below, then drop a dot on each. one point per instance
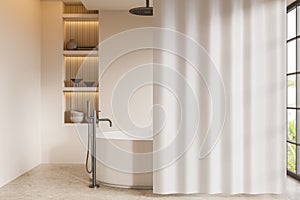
(219, 96)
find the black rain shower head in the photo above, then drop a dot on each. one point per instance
(144, 11)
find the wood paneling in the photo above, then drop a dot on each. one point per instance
(85, 33)
(78, 101)
(81, 67)
(77, 8)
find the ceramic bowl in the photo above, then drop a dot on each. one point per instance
(76, 113)
(76, 81)
(77, 119)
(89, 83)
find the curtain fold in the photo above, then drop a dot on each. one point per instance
(220, 83)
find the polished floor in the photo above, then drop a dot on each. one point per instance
(65, 182)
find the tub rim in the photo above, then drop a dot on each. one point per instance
(120, 135)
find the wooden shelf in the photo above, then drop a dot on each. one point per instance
(80, 89)
(83, 124)
(81, 17)
(81, 53)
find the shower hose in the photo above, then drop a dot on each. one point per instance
(88, 156)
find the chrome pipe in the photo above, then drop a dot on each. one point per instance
(94, 150)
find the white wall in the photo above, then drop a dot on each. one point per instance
(60, 143)
(20, 62)
(140, 104)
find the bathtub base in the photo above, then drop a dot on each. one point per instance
(127, 187)
(114, 175)
(114, 178)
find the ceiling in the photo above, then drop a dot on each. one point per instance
(72, 1)
(114, 4)
(66, 1)
(108, 4)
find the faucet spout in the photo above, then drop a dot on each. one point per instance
(105, 120)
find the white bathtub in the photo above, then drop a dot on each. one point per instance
(119, 161)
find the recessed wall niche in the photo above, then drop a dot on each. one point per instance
(81, 62)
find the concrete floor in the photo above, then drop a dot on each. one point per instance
(70, 182)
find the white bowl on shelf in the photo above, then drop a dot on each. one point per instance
(76, 116)
(77, 119)
(76, 113)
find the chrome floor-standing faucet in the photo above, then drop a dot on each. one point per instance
(93, 121)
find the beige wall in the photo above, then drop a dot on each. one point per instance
(290, 1)
(23, 124)
(20, 86)
(60, 143)
(140, 104)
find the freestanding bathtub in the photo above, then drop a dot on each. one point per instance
(121, 161)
